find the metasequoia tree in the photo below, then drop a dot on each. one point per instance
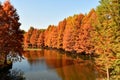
(48, 36)
(40, 41)
(34, 38)
(27, 37)
(83, 43)
(25, 40)
(11, 35)
(60, 29)
(107, 37)
(70, 33)
(78, 24)
(54, 36)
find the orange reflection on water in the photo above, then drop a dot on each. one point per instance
(65, 66)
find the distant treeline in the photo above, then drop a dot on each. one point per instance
(72, 34)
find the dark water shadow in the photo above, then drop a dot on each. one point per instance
(15, 74)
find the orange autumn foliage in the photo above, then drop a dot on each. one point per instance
(83, 43)
(60, 29)
(27, 37)
(72, 34)
(48, 36)
(34, 38)
(40, 41)
(11, 36)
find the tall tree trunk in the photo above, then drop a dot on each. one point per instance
(5, 61)
(108, 76)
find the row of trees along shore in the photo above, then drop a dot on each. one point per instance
(11, 37)
(97, 32)
(71, 34)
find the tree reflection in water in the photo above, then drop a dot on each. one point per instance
(57, 66)
(12, 75)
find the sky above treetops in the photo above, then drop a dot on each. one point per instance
(41, 13)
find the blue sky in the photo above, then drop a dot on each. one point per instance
(41, 13)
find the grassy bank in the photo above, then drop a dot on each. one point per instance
(31, 49)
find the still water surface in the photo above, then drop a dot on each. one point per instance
(54, 65)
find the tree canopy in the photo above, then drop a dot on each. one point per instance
(11, 37)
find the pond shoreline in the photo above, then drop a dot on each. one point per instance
(61, 50)
(73, 53)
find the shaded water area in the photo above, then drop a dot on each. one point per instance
(52, 65)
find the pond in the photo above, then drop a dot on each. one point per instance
(52, 65)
